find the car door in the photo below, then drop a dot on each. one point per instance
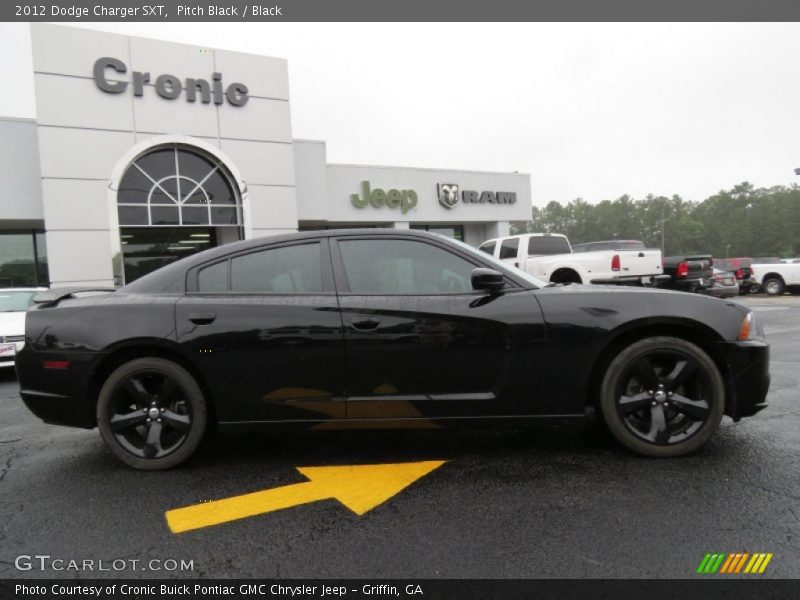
(265, 329)
(420, 342)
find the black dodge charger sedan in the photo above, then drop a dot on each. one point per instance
(359, 328)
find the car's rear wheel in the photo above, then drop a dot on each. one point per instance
(151, 413)
(774, 286)
(662, 396)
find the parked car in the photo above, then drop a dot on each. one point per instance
(549, 256)
(741, 269)
(723, 285)
(379, 328)
(13, 304)
(777, 278)
(688, 273)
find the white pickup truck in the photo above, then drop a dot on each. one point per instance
(549, 256)
(776, 278)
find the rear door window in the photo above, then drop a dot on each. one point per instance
(293, 269)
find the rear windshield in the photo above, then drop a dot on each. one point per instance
(488, 247)
(547, 244)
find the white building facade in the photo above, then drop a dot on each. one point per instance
(144, 151)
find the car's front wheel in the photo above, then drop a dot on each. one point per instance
(151, 413)
(662, 396)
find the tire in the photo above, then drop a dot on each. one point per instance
(654, 407)
(151, 414)
(565, 276)
(774, 286)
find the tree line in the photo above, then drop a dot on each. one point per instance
(743, 221)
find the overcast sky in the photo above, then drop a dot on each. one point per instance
(589, 110)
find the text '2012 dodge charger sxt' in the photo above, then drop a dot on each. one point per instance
(381, 327)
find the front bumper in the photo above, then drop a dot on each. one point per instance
(748, 377)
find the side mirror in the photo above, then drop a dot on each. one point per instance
(487, 279)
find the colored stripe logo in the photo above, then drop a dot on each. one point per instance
(734, 563)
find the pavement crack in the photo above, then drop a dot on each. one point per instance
(4, 471)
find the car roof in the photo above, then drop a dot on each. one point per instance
(171, 278)
(522, 235)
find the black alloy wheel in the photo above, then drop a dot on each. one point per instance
(663, 396)
(151, 413)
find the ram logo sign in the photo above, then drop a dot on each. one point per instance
(450, 193)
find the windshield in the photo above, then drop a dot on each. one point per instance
(504, 265)
(15, 301)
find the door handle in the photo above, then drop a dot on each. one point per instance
(204, 318)
(365, 324)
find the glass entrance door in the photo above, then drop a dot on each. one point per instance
(145, 249)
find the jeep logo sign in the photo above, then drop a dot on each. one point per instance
(449, 194)
(169, 86)
(405, 200)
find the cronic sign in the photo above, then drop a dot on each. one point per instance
(168, 86)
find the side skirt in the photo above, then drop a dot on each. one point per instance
(503, 422)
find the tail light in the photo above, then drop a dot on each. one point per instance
(739, 273)
(683, 269)
(58, 365)
(615, 263)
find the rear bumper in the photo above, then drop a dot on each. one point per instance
(748, 382)
(8, 360)
(721, 291)
(57, 396)
(686, 285)
(58, 409)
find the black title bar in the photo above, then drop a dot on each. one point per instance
(407, 10)
(406, 589)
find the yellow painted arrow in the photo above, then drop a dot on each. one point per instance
(359, 487)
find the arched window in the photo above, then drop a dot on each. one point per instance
(177, 186)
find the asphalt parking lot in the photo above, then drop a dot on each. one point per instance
(554, 501)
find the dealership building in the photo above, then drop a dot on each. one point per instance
(145, 151)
